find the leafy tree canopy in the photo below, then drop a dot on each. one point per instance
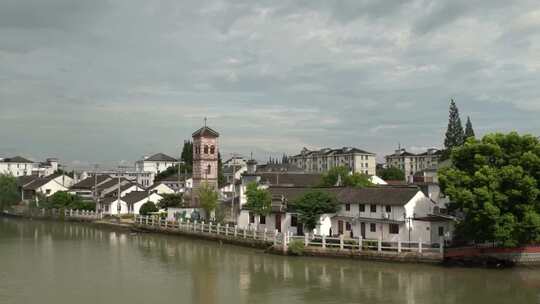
(312, 205)
(186, 167)
(208, 198)
(391, 173)
(148, 208)
(336, 174)
(9, 193)
(65, 200)
(171, 200)
(258, 200)
(495, 183)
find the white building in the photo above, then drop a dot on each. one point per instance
(46, 168)
(357, 160)
(16, 166)
(129, 204)
(145, 179)
(156, 163)
(387, 213)
(411, 163)
(33, 186)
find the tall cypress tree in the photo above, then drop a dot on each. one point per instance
(469, 131)
(455, 136)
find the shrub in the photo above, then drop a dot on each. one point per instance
(296, 248)
(148, 208)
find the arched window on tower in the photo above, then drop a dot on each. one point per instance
(209, 169)
(205, 149)
(212, 149)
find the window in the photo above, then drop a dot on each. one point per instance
(373, 227)
(388, 209)
(394, 229)
(205, 149)
(441, 231)
(212, 149)
(347, 207)
(48, 191)
(251, 218)
(209, 169)
(373, 208)
(294, 221)
(262, 219)
(348, 226)
(361, 208)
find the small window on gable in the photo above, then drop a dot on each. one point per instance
(212, 149)
(388, 209)
(205, 149)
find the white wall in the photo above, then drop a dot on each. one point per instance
(51, 188)
(154, 198)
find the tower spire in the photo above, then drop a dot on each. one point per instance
(205, 119)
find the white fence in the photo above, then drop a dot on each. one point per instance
(314, 241)
(67, 213)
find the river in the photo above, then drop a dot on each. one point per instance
(55, 262)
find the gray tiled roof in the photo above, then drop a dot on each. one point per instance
(160, 157)
(291, 180)
(16, 159)
(88, 183)
(392, 196)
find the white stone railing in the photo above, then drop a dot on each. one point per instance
(276, 238)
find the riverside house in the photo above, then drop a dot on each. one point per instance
(386, 212)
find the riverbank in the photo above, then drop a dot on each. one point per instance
(273, 243)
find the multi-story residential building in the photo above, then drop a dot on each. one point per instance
(411, 163)
(16, 166)
(156, 163)
(357, 160)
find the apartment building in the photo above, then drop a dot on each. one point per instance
(357, 160)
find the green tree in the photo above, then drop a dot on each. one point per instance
(259, 201)
(494, 182)
(187, 153)
(65, 200)
(312, 205)
(469, 131)
(9, 193)
(170, 200)
(147, 208)
(221, 176)
(391, 173)
(341, 174)
(455, 136)
(208, 197)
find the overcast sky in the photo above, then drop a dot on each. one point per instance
(110, 81)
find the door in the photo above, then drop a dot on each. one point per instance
(340, 227)
(278, 222)
(363, 230)
(300, 229)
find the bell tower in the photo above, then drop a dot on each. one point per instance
(205, 157)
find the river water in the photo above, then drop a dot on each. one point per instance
(54, 262)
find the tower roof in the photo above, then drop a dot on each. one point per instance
(205, 131)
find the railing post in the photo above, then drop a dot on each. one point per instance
(245, 234)
(420, 245)
(275, 237)
(226, 229)
(360, 243)
(306, 240)
(264, 237)
(210, 227)
(341, 242)
(284, 247)
(195, 226)
(379, 244)
(399, 245)
(71, 212)
(218, 226)
(254, 234)
(202, 226)
(324, 241)
(441, 247)
(235, 231)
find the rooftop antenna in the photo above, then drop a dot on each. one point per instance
(205, 121)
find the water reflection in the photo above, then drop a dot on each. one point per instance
(133, 265)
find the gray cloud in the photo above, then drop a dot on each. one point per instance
(114, 80)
